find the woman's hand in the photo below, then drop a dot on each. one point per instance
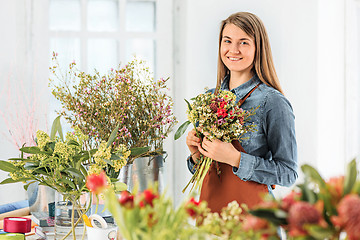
(193, 143)
(220, 151)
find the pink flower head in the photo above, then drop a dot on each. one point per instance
(349, 216)
(96, 183)
(254, 223)
(302, 213)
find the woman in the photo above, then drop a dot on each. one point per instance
(268, 156)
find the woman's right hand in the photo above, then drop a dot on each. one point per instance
(193, 142)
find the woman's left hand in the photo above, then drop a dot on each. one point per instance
(220, 151)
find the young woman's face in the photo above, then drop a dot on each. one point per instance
(237, 49)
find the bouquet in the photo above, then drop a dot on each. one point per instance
(220, 116)
(318, 209)
(148, 214)
(127, 96)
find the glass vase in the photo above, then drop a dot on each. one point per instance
(69, 210)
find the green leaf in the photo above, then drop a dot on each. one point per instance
(31, 150)
(181, 130)
(10, 180)
(319, 232)
(28, 184)
(75, 172)
(7, 166)
(17, 159)
(31, 166)
(73, 142)
(276, 216)
(112, 136)
(314, 175)
(120, 186)
(56, 127)
(188, 104)
(68, 182)
(350, 177)
(307, 194)
(138, 151)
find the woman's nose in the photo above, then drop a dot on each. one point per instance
(235, 49)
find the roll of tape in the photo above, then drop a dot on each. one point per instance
(12, 236)
(17, 225)
(98, 218)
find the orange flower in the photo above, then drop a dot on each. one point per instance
(336, 188)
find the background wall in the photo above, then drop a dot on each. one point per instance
(308, 44)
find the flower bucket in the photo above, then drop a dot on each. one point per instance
(144, 171)
(39, 197)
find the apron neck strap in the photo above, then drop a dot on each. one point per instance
(248, 94)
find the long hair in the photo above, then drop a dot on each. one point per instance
(263, 62)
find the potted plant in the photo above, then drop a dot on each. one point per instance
(128, 97)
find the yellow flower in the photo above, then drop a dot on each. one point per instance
(42, 139)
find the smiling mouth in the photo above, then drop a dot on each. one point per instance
(234, 58)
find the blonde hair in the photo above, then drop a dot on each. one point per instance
(263, 62)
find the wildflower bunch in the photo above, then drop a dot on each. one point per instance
(234, 222)
(127, 96)
(221, 117)
(318, 209)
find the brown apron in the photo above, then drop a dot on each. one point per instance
(220, 189)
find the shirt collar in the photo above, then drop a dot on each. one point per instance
(243, 89)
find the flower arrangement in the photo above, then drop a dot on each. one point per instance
(318, 209)
(62, 164)
(128, 97)
(221, 117)
(148, 214)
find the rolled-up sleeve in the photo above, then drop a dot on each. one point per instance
(191, 165)
(279, 166)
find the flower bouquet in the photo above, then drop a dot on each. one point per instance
(61, 165)
(318, 209)
(220, 116)
(148, 214)
(127, 96)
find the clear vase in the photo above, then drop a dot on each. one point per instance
(69, 210)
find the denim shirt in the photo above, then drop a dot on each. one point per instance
(271, 151)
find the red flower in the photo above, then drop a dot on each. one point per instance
(96, 183)
(221, 112)
(191, 207)
(147, 198)
(223, 104)
(349, 216)
(301, 213)
(126, 199)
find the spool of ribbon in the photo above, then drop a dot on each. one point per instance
(17, 225)
(12, 236)
(99, 219)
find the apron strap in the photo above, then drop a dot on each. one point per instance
(241, 101)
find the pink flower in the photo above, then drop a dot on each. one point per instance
(221, 112)
(302, 213)
(349, 216)
(254, 223)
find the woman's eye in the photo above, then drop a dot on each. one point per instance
(244, 43)
(227, 41)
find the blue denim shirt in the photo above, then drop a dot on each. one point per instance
(271, 151)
